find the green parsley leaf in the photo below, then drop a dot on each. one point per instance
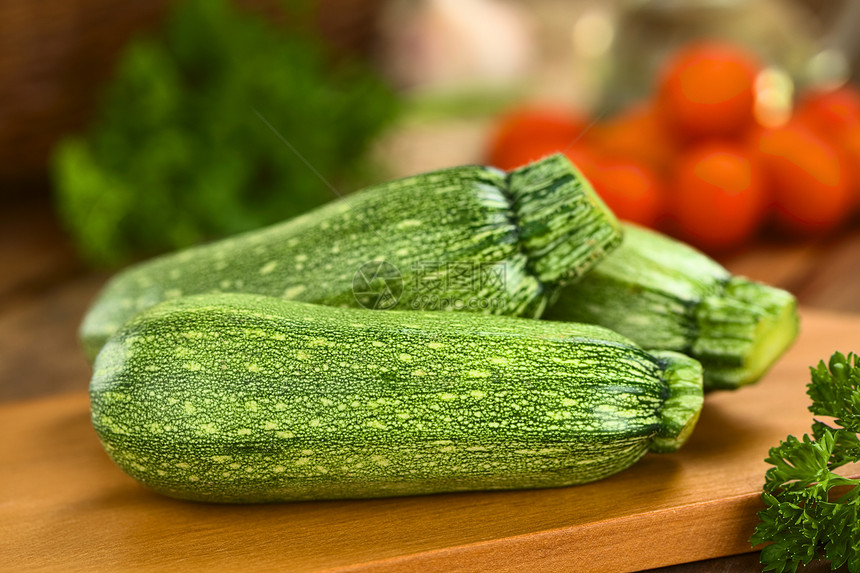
(810, 511)
(177, 153)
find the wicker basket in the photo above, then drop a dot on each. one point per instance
(56, 54)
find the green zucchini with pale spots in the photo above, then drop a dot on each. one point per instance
(246, 398)
(472, 238)
(666, 295)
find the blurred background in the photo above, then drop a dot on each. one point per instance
(169, 123)
(734, 125)
(131, 129)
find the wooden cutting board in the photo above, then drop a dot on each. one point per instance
(64, 505)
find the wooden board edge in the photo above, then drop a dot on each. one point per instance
(689, 533)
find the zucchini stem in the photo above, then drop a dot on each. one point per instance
(564, 226)
(684, 399)
(741, 332)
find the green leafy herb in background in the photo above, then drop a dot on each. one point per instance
(177, 153)
(804, 518)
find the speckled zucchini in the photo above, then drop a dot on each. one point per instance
(471, 238)
(665, 295)
(244, 398)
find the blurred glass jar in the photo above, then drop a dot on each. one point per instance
(451, 45)
(625, 45)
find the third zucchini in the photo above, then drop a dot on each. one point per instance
(472, 238)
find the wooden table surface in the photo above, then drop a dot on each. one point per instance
(44, 291)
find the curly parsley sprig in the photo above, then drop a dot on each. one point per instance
(811, 512)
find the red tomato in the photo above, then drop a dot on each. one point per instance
(706, 90)
(810, 182)
(718, 195)
(584, 158)
(524, 153)
(849, 146)
(830, 111)
(630, 189)
(835, 117)
(526, 134)
(638, 135)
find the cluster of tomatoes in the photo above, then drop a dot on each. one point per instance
(698, 161)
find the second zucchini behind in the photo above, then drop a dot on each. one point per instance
(666, 295)
(466, 238)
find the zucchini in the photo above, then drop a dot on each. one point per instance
(666, 295)
(246, 398)
(471, 237)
